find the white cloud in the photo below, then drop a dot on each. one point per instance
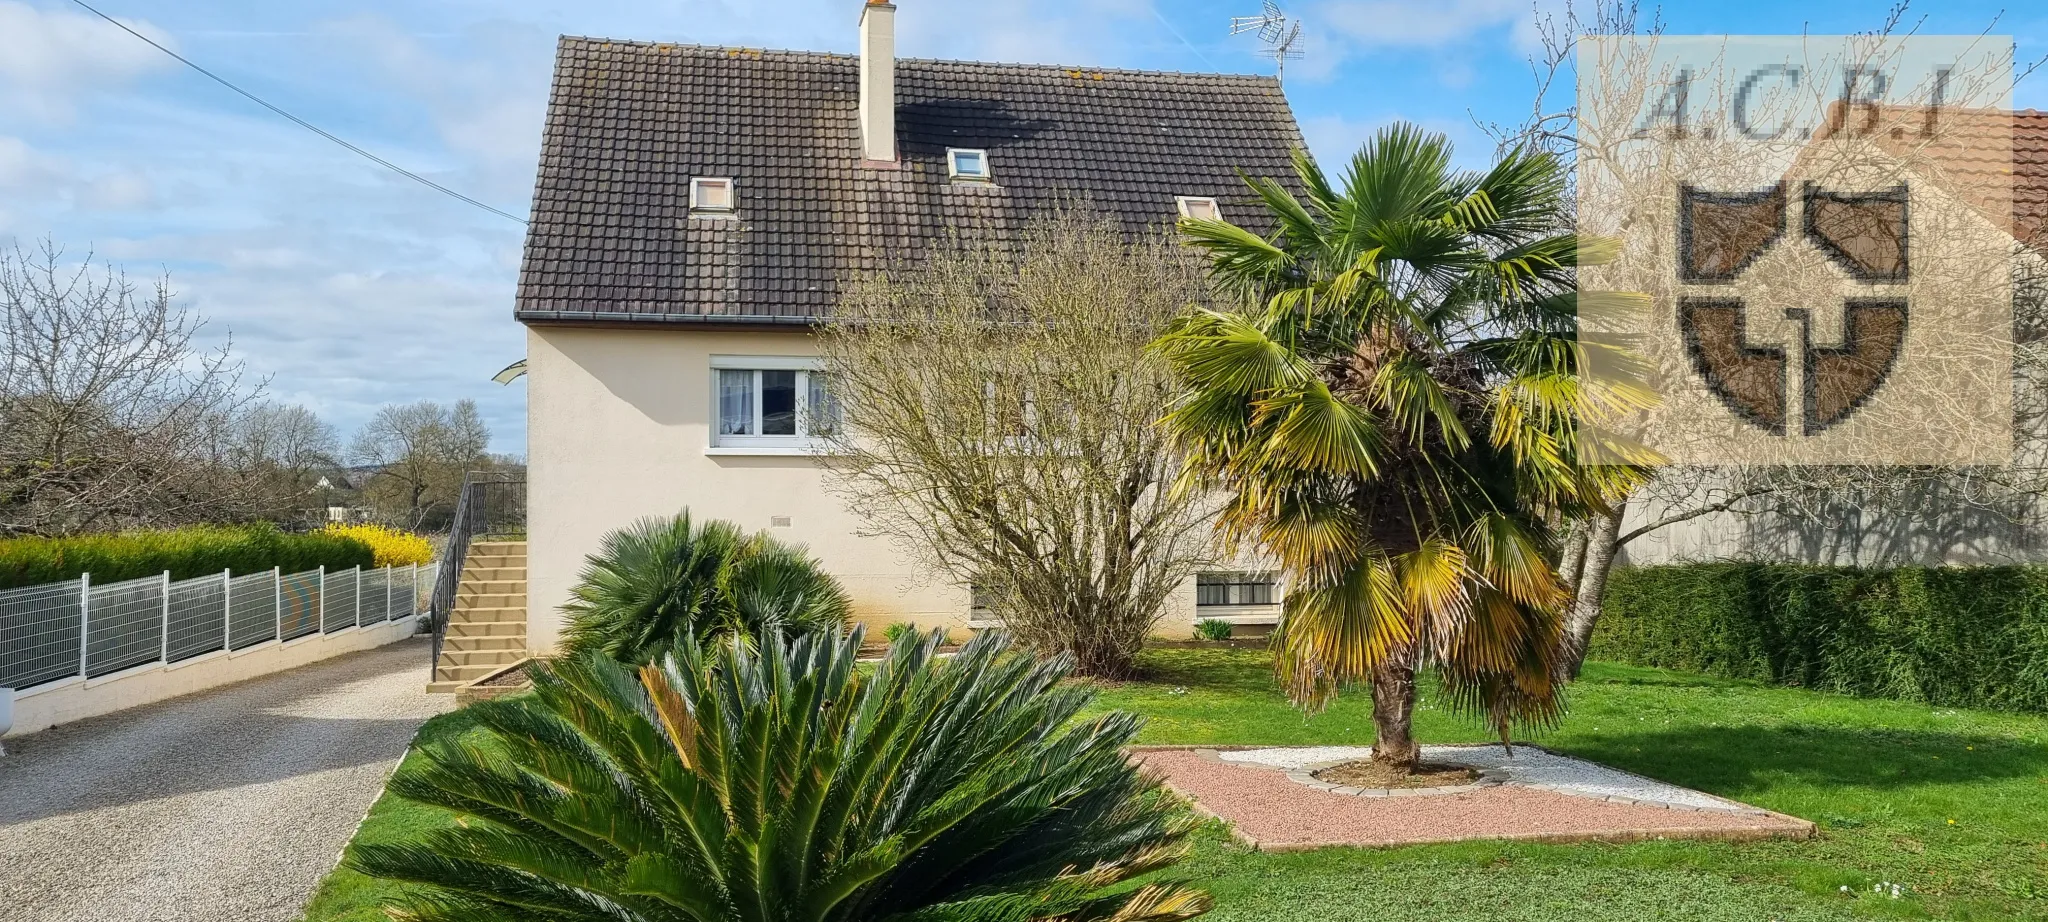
(49, 58)
(29, 175)
(123, 190)
(487, 93)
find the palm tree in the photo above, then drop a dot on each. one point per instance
(778, 783)
(661, 580)
(1393, 415)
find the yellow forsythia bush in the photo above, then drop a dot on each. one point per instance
(393, 547)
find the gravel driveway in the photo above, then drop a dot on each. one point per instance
(225, 805)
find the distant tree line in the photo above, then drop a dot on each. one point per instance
(114, 415)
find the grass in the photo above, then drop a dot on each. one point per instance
(1951, 804)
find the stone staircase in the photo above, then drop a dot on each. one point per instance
(487, 629)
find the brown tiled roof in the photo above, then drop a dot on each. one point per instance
(1991, 158)
(2030, 177)
(629, 123)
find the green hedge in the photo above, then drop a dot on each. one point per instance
(1952, 636)
(186, 552)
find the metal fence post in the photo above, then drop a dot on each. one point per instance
(412, 605)
(356, 594)
(227, 609)
(389, 591)
(277, 592)
(165, 636)
(84, 619)
(320, 592)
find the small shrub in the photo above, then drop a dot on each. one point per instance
(393, 547)
(899, 630)
(1951, 636)
(788, 783)
(185, 552)
(1212, 629)
(663, 581)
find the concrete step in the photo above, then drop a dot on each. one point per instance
(470, 574)
(467, 673)
(443, 687)
(488, 629)
(481, 657)
(489, 585)
(493, 560)
(473, 600)
(476, 614)
(468, 644)
(497, 552)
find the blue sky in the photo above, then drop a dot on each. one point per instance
(351, 287)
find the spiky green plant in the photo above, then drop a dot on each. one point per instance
(660, 581)
(778, 783)
(1393, 413)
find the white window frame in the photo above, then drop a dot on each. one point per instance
(980, 616)
(987, 173)
(802, 443)
(697, 205)
(1185, 204)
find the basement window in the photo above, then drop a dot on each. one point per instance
(1198, 208)
(968, 164)
(1236, 592)
(710, 195)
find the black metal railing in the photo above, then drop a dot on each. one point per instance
(492, 505)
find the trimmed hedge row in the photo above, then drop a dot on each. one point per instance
(186, 552)
(1951, 636)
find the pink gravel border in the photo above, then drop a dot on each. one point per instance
(1268, 812)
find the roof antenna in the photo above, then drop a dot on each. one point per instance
(1279, 32)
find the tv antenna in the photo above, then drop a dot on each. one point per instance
(1280, 33)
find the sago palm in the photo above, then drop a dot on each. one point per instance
(779, 783)
(660, 581)
(1392, 414)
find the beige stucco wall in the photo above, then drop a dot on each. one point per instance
(619, 423)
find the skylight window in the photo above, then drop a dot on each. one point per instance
(710, 195)
(965, 163)
(1198, 208)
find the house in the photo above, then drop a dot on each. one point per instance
(1995, 200)
(699, 209)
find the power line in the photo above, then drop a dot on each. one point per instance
(309, 126)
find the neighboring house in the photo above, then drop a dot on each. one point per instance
(699, 209)
(1929, 526)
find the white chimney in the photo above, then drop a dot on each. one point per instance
(878, 81)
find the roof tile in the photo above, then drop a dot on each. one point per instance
(630, 122)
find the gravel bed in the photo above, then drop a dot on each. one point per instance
(1529, 765)
(229, 804)
(1271, 810)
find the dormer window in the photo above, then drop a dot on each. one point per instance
(710, 195)
(1198, 208)
(968, 164)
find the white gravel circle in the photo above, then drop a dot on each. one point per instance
(1529, 766)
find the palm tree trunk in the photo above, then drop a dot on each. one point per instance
(1393, 713)
(1602, 544)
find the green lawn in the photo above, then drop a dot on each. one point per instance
(1951, 804)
